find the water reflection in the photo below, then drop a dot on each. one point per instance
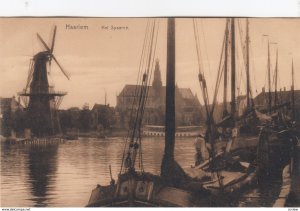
(63, 175)
(42, 165)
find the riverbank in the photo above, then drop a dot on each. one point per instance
(285, 188)
(294, 195)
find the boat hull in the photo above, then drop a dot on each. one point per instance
(145, 191)
(139, 191)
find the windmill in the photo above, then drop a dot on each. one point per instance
(41, 99)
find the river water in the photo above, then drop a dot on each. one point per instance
(63, 175)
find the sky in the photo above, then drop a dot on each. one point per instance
(103, 60)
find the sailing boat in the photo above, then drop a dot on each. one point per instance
(235, 167)
(140, 188)
(280, 134)
(274, 143)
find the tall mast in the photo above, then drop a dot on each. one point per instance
(248, 65)
(269, 79)
(276, 79)
(233, 85)
(293, 91)
(167, 167)
(225, 112)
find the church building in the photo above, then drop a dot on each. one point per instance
(187, 105)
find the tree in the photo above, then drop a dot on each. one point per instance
(85, 120)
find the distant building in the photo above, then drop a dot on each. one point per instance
(261, 101)
(187, 104)
(11, 116)
(241, 105)
(103, 117)
(9, 104)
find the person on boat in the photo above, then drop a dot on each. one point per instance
(200, 149)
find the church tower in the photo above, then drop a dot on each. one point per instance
(156, 83)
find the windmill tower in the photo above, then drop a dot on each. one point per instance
(43, 101)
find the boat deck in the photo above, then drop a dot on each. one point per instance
(227, 178)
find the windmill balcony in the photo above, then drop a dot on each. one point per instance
(50, 92)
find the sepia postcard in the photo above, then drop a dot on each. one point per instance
(150, 112)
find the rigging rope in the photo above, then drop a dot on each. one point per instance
(205, 48)
(137, 122)
(203, 86)
(252, 63)
(141, 64)
(201, 74)
(220, 71)
(147, 92)
(140, 98)
(244, 55)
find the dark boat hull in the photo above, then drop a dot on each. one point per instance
(139, 191)
(149, 191)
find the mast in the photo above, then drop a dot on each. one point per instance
(225, 112)
(276, 79)
(248, 65)
(233, 85)
(293, 92)
(269, 79)
(167, 167)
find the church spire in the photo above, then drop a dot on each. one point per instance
(157, 84)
